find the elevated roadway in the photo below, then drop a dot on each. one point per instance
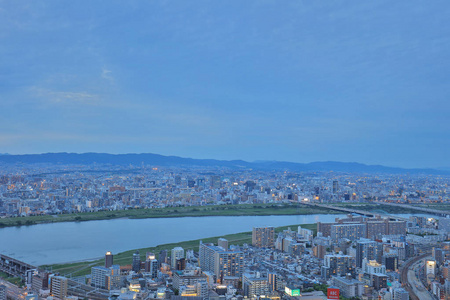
(14, 267)
(409, 280)
(442, 213)
(353, 211)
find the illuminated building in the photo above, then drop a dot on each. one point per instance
(98, 276)
(348, 231)
(58, 287)
(176, 253)
(430, 267)
(109, 259)
(337, 265)
(151, 265)
(365, 249)
(228, 263)
(254, 286)
(263, 237)
(292, 291)
(185, 278)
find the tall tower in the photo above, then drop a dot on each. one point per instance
(136, 266)
(365, 249)
(108, 259)
(335, 186)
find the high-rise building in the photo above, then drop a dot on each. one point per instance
(391, 262)
(58, 287)
(109, 259)
(206, 256)
(151, 265)
(263, 237)
(223, 243)
(181, 264)
(216, 182)
(162, 259)
(348, 231)
(223, 263)
(113, 279)
(98, 276)
(254, 286)
(176, 253)
(319, 251)
(335, 186)
(337, 265)
(154, 268)
(396, 227)
(379, 281)
(375, 229)
(228, 263)
(272, 279)
(39, 282)
(365, 249)
(136, 264)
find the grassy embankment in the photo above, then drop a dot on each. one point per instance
(14, 280)
(171, 212)
(125, 258)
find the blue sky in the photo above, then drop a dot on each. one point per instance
(302, 81)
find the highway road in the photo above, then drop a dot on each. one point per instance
(13, 291)
(409, 280)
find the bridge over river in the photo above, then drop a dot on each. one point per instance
(17, 268)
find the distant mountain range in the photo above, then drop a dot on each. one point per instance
(161, 160)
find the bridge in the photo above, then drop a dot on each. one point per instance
(17, 268)
(442, 213)
(14, 267)
(355, 211)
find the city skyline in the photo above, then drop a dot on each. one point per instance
(300, 82)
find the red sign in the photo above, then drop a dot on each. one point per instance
(332, 294)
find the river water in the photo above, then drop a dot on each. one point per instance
(73, 241)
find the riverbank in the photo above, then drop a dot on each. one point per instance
(171, 212)
(125, 258)
(202, 211)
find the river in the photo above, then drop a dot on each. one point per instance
(73, 241)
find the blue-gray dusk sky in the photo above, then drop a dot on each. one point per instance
(301, 81)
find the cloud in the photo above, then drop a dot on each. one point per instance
(107, 74)
(66, 97)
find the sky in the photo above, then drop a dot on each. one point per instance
(300, 81)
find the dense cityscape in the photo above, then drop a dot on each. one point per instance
(224, 150)
(64, 190)
(365, 255)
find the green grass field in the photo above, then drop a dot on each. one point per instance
(14, 280)
(125, 258)
(170, 212)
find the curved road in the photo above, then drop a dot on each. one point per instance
(407, 285)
